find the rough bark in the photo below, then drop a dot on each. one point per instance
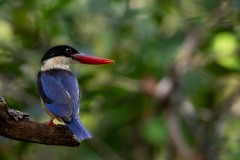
(16, 125)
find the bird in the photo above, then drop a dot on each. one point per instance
(58, 87)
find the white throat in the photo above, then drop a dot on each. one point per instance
(59, 62)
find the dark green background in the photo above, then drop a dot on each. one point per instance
(145, 38)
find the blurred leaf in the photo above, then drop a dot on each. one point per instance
(154, 131)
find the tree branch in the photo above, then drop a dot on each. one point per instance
(16, 125)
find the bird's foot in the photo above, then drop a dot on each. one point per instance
(50, 123)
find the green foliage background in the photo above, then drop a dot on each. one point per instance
(144, 37)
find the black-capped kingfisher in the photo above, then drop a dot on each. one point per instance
(58, 86)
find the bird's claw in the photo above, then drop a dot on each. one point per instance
(50, 123)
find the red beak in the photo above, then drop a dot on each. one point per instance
(86, 59)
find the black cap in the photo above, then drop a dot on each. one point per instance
(59, 50)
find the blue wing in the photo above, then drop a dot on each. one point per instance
(60, 93)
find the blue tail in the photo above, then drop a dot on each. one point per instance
(78, 129)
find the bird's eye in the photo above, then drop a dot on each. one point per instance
(68, 51)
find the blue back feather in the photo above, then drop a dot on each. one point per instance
(60, 93)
